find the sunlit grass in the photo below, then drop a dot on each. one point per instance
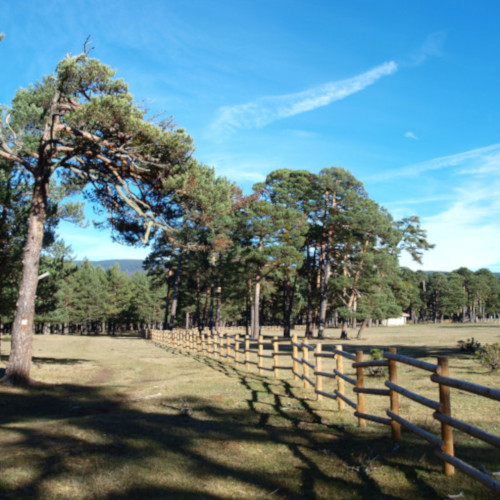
(119, 417)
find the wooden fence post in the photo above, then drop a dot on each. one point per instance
(247, 354)
(305, 366)
(340, 381)
(393, 396)
(445, 409)
(319, 377)
(360, 383)
(260, 351)
(218, 345)
(236, 349)
(203, 344)
(295, 355)
(276, 358)
(228, 347)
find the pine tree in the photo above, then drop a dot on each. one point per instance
(81, 128)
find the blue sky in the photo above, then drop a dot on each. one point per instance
(403, 94)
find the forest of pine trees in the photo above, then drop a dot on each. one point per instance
(302, 248)
(235, 259)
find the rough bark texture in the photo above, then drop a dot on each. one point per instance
(175, 293)
(309, 314)
(256, 307)
(344, 334)
(327, 266)
(360, 331)
(288, 298)
(19, 366)
(212, 292)
(324, 294)
(218, 308)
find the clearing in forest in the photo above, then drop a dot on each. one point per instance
(120, 417)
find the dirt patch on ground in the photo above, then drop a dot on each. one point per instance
(102, 376)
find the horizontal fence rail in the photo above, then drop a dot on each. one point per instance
(306, 362)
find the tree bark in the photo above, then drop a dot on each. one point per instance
(249, 311)
(212, 292)
(362, 327)
(19, 366)
(324, 293)
(327, 265)
(218, 307)
(344, 334)
(290, 290)
(256, 307)
(175, 292)
(167, 302)
(309, 314)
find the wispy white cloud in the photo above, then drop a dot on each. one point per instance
(411, 135)
(265, 110)
(467, 232)
(466, 227)
(421, 201)
(431, 47)
(244, 169)
(481, 158)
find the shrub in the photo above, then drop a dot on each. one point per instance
(376, 371)
(470, 346)
(489, 356)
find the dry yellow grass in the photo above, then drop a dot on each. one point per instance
(119, 417)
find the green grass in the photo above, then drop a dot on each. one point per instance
(120, 417)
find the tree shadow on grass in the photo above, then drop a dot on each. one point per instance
(57, 361)
(204, 445)
(81, 441)
(412, 457)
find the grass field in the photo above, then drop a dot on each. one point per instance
(120, 417)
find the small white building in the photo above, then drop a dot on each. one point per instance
(401, 321)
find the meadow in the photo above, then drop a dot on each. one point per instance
(116, 417)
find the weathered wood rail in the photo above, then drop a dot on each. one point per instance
(305, 361)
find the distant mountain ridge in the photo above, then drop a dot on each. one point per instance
(129, 266)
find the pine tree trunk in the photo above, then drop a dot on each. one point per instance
(18, 368)
(291, 289)
(309, 312)
(362, 327)
(212, 293)
(344, 333)
(324, 295)
(327, 266)
(218, 308)
(249, 312)
(167, 304)
(175, 293)
(256, 308)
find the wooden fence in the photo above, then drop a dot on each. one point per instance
(305, 362)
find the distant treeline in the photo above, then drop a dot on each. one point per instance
(304, 249)
(85, 299)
